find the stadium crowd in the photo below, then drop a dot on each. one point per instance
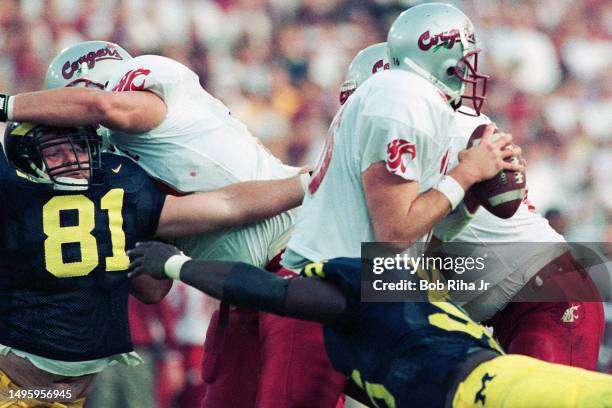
(278, 65)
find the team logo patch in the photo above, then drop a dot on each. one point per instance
(569, 314)
(480, 397)
(399, 153)
(129, 81)
(572, 315)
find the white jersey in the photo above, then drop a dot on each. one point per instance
(194, 311)
(396, 117)
(199, 146)
(508, 265)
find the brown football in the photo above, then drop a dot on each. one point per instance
(502, 194)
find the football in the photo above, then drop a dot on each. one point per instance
(502, 194)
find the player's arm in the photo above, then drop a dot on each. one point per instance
(242, 284)
(400, 214)
(131, 112)
(149, 290)
(458, 219)
(231, 206)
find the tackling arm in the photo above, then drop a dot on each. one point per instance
(242, 284)
(231, 206)
(131, 112)
(249, 287)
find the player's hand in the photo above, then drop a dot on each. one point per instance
(487, 158)
(149, 258)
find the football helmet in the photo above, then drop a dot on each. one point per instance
(86, 64)
(24, 144)
(437, 42)
(367, 62)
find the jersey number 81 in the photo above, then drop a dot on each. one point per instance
(81, 234)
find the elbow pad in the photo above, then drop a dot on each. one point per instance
(452, 225)
(250, 287)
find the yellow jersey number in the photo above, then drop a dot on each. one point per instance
(451, 317)
(378, 393)
(112, 202)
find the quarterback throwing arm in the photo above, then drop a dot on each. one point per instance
(416, 354)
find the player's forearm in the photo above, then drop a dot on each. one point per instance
(430, 208)
(247, 286)
(59, 107)
(454, 223)
(207, 276)
(424, 214)
(238, 283)
(231, 206)
(257, 200)
(242, 284)
(130, 112)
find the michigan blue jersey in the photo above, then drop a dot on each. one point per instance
(401, 354)
(63, 261)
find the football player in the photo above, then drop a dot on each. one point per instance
(67, 215)
(157, 113)
(527, 261)
(565, 332)
(415, 354)
(382, 175)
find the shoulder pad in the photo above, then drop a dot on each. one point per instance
(123, 172)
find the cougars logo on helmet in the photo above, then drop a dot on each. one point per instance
(109, 52)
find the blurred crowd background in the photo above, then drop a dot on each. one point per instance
(278, 65)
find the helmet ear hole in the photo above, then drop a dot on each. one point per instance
(448, 68)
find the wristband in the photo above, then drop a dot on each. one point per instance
(452, 190)
(6, 107)
(173, 265)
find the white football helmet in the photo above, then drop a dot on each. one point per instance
(367, 62)
(88, 64)
(437, 42)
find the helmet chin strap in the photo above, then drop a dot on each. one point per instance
(454, 97)
(71, 184)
